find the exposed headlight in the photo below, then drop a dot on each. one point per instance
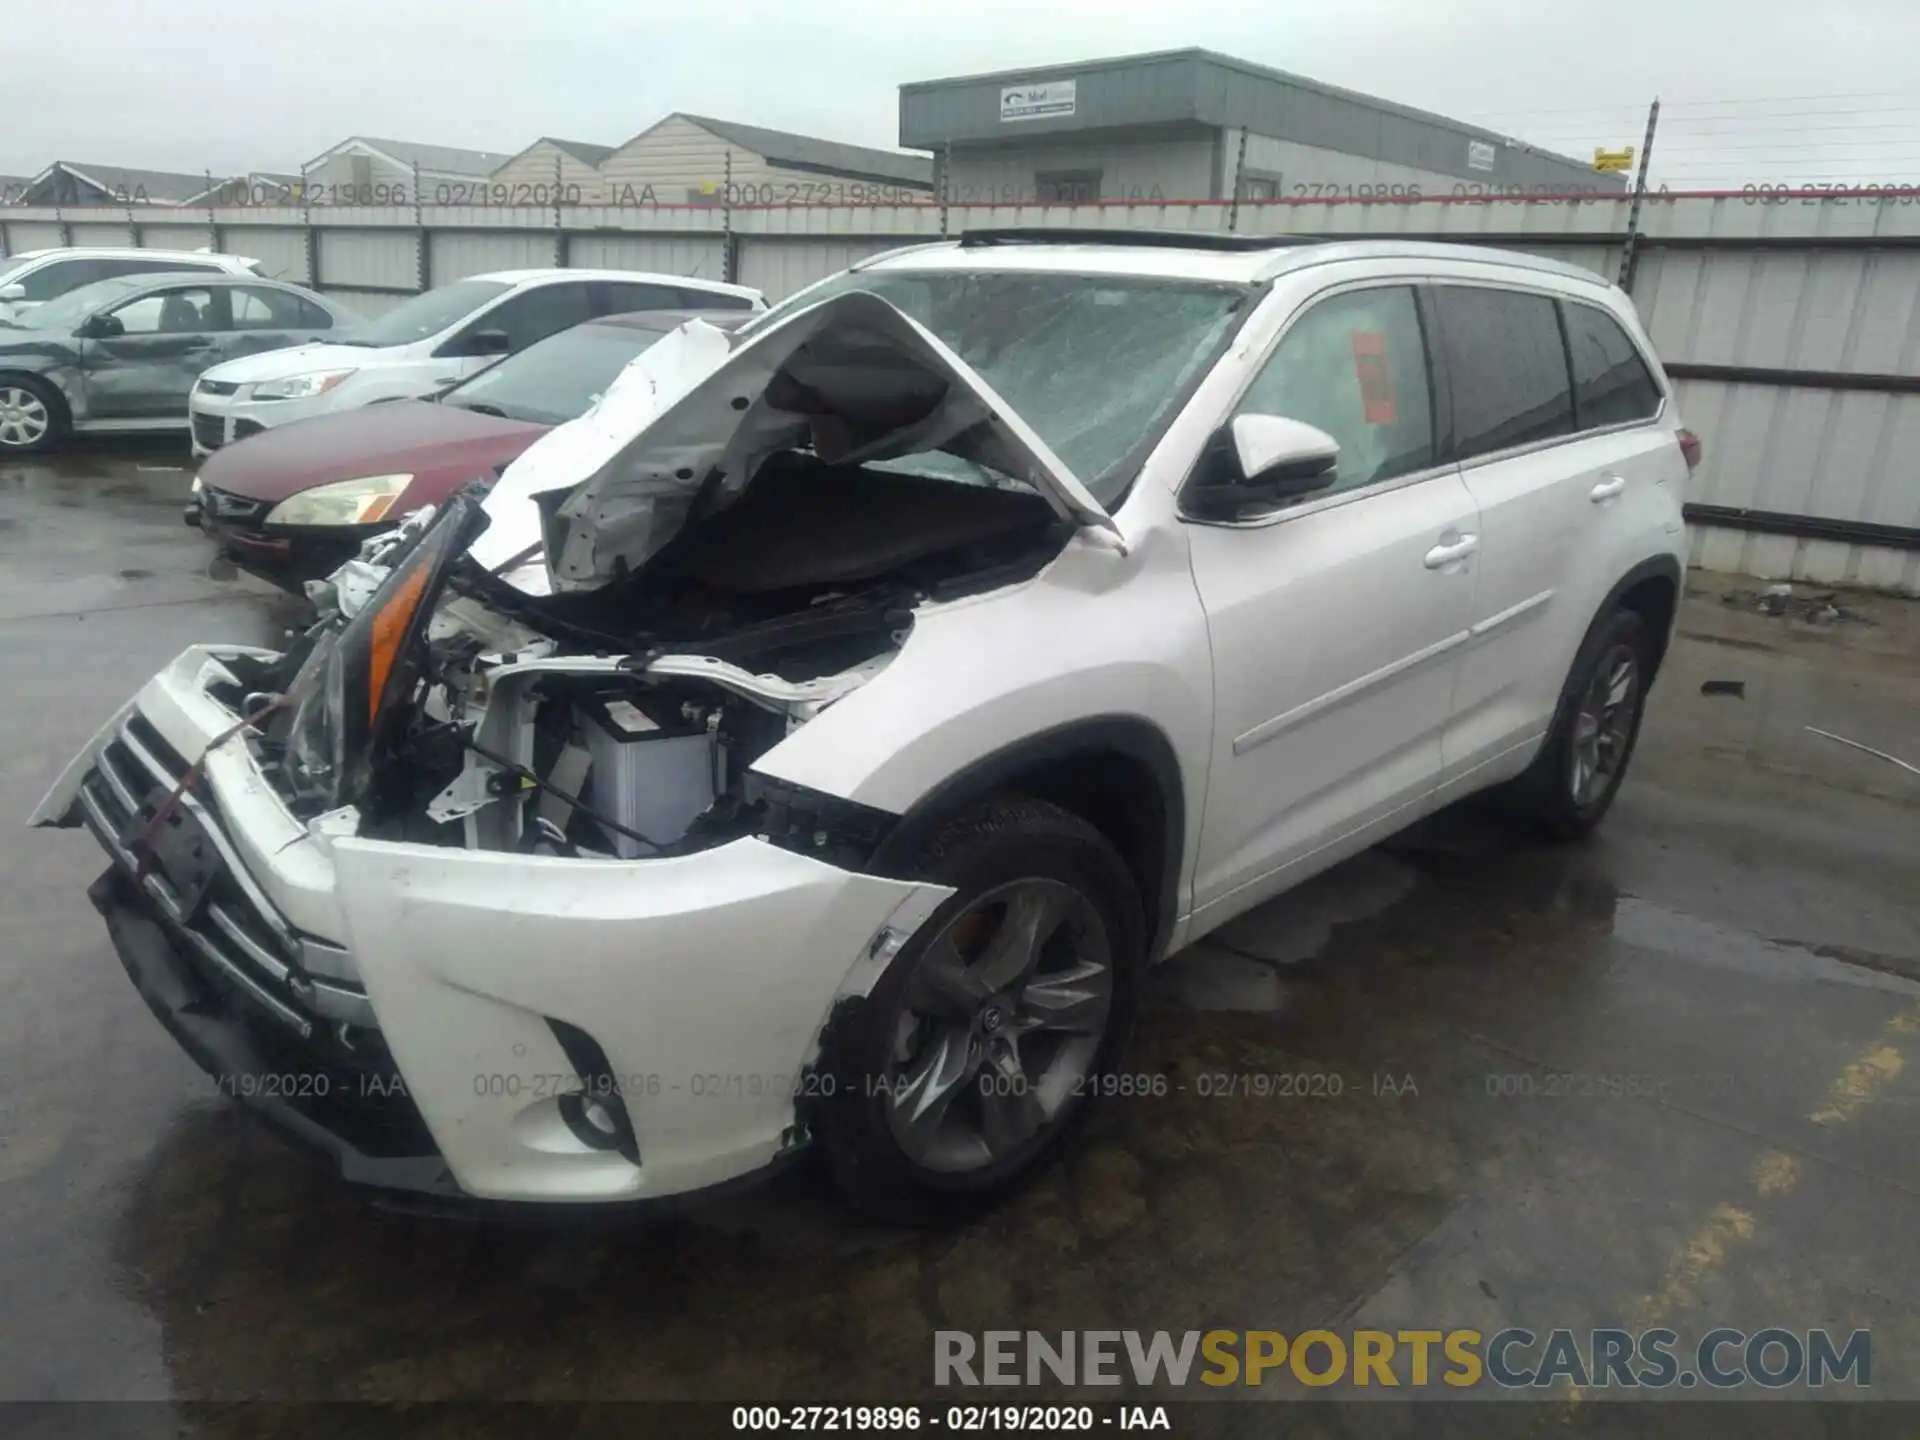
(345, 502)
(353, 687)
(300, 387)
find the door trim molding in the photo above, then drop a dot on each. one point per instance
(1268, 729)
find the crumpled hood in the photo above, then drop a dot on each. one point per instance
(852, 378)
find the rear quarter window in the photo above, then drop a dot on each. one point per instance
(1506, 367)
(1611, 382)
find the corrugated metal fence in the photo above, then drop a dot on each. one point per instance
(1790, 320)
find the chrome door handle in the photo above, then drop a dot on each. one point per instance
(1607, 488)
(1446, 554)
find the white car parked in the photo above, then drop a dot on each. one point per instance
(434, 340)
(819, 737)
(33, 277)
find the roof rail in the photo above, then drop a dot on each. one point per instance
(1152, 239)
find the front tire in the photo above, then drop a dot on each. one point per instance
(31, 416)
(969, 1065)
(1572, 782)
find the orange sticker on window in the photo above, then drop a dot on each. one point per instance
(1379, 404)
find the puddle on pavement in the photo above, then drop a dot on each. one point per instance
(1647, 926)
(1244, 965)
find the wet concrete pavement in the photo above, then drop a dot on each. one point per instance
(1667, 1076)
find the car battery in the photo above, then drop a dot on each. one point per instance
(651, 772)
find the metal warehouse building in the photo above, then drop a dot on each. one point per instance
(1169, 125)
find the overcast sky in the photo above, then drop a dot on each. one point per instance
(231, 85)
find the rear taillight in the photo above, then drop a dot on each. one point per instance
(1690, 449)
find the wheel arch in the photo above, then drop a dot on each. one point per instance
(1652, 589)
(1119, 773)
(40, 380)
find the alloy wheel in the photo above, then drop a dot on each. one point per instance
(23, 418)
(1000, 1027)
(1603, 725)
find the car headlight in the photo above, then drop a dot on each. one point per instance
(355, 684)
(300, 387)
(345, 502)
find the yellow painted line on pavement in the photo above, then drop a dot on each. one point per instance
(1777, 1172)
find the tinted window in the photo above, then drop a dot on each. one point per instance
(427, 315)
(170, 312)
(619, 298)
(1354, 366)
(255, 307)
(1507, 368)
(108, 269)
(1611, 383)
(557, 379)
(713, 300)
(534, 314)
(57, 279)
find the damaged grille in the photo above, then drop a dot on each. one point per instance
(184, 866)
(298, 997)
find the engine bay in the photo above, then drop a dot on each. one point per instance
(624, 722)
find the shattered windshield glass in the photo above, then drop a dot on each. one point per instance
(1093, 363)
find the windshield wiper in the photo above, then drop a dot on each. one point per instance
(479, 407)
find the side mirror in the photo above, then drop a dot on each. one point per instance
(102, 327)
(10, 293)
(487, 342)
(1257, 463)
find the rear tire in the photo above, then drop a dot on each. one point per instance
(32, 417)
(1572, 782)
(970, 1063)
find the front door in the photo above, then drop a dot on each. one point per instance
(1337, 622)
(164, 339)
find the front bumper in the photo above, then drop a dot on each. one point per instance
(446, 990)
(216, 420)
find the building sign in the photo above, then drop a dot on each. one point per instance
(1045, 101)
(1613, 160)
(1479, 155)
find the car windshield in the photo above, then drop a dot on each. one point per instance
(67, 311)
(556, 380)
(428, 314)
(10, 268)
(1094, 363)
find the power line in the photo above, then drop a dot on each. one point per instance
(1696, 104)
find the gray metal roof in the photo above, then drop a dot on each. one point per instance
(579, 149)
(447, 159)
(831, 157)
(1195, 87)
(158, 187)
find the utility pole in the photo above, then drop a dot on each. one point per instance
(1239, 169)
(1630, 251)
(727, 262)
(946, 184)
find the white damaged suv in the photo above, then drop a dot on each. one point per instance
(812, 745)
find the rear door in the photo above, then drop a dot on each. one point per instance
(1337, 621)
(265, 318)
(167, 338)
(1554, 472)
